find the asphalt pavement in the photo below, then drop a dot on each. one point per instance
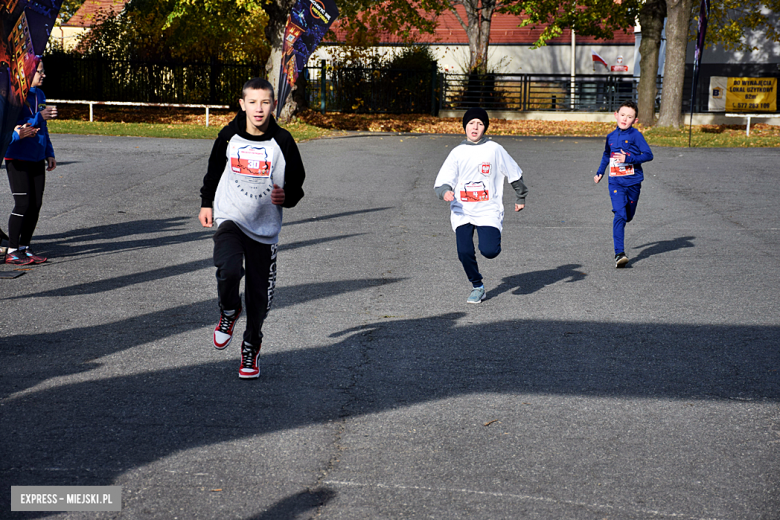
(575, 391)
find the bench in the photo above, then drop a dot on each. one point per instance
(132, 104)
(747, 129)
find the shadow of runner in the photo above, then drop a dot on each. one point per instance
(77, 349)
(321, 218)
(147, 234)
(661, 247)
(91, 432)
(527, 283)
(296, 505)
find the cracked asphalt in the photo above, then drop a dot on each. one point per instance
(575, 391)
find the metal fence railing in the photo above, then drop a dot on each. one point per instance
(100, 79)
(545, 92)
(347, 89)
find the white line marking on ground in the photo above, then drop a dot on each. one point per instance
(516, 496)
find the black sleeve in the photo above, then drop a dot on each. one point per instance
(294, 173)
(216, 166)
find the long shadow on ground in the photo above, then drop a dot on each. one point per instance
(92, 432)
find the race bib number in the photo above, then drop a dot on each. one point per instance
(252, 162)
(474, 192)
(617, 169)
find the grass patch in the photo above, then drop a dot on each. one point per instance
(190, 124)
(715, 136)
(300, 131)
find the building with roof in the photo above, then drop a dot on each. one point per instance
(83, 19)
(510, 48)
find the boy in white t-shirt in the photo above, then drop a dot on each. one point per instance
(471, 181)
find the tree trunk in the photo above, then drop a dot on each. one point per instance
(678, 22)
(479, 14)
(651, 18)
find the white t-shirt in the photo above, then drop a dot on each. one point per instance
(475, 172)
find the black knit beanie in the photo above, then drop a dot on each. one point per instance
(476, 113)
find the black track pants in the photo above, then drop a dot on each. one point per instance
(235, 254)
(27, 180)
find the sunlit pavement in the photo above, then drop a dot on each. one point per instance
(574, 391)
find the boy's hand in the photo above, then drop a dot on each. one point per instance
(620, 157)
(597, 178)
(449, 196)
(277, 195)
(206, 217)
(25, 130)
(50, 112)
(51, 163)
(519, 207)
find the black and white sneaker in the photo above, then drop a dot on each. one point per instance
(223, 332)
(621, 260)
(249, 369)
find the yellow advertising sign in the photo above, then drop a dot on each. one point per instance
(751, 94)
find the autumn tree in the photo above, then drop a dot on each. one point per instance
(729, 25)
(159, 29)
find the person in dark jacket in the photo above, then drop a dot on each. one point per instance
(29, 156)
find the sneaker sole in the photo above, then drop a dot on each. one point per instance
(621, 263)
(242, 376)
(476, 302)
(223, 347)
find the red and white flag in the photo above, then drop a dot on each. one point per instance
(598, 59)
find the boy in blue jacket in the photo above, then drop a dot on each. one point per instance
(624, 153)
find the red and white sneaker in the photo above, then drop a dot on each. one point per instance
(223, 332)
(249, 356)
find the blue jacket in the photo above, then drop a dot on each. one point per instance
(637, 152)
(37, 147)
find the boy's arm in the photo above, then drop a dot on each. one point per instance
(447, 178)
(521, 190)
(645, 154)
(214, 171)
(294, 172)
(604, 159)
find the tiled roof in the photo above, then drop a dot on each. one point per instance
(504, 30)
(85, 15)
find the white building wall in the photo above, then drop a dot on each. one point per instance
(510, 59)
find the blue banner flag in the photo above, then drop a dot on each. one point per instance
(24, 33)
(704, 12)
(307, 24)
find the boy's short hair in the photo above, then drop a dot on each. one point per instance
(257, 84)
(630, 104)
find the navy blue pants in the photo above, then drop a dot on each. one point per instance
(489, 246)
(232, 251)
(624, 201)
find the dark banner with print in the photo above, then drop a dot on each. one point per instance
(25, 29)
(308, 22)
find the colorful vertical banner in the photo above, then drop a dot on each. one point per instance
(704, 12)
(24, 32)
(307, 24)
